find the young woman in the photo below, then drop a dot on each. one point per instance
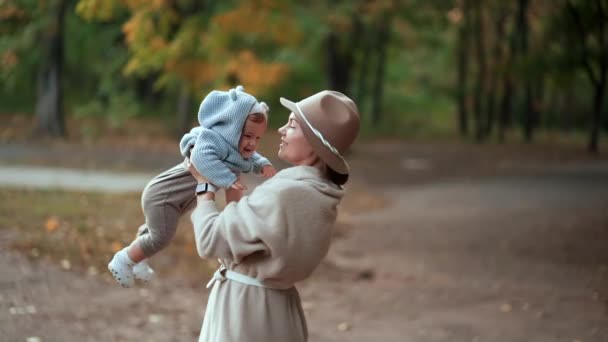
(278, 235)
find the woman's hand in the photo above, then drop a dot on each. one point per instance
(238, 186)
(194, 171)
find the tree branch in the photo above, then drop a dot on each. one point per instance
(583, 42)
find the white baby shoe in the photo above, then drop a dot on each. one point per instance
(121, 268)
(143, 271)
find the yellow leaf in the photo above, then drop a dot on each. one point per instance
(116, 246)
(52, 223)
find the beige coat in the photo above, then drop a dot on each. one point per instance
(279, 234)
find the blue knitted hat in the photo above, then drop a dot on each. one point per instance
(226, 112)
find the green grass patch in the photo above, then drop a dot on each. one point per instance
(81, 231)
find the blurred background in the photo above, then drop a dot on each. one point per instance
(481, 70)
(476, 208)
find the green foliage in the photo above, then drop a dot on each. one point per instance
(126, 58)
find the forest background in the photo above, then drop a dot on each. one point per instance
(484, 71)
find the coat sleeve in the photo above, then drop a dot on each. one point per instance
(188, 141)
(258, 162)
(207, 157)
(243, 228)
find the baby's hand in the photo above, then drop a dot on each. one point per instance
(268, 171)
(238, 186)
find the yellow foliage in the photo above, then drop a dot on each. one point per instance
(11, 11)
(266, 18)
(97, 9)
(159, 4)
(255, 74)
(135, 5)
(158, 43)
(196, 72)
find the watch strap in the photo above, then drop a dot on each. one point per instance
(202, 188)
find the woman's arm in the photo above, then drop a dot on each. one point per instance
(231, 234)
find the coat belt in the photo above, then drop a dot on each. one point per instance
(223, 273)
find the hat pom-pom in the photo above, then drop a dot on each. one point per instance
(232, 94)
(233, 91)
(264, 106)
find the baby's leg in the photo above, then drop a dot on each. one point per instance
(164, 200)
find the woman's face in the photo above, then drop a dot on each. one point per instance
(294, 147)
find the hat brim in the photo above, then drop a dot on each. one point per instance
(335, 162)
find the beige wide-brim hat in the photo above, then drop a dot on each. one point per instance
(330, 122)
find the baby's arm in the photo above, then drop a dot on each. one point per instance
(262, 166)
(188, 141)
(233, 194)
(207, 156)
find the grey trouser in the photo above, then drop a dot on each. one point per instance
(164, 200)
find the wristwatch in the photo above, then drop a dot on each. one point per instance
(202, 188)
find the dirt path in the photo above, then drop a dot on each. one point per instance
(502, 259)
(473, 254)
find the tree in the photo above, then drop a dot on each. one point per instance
(24, 24)
(480, 82)
(591, 46)
(189, 45)
(463, 43)
(49, 103)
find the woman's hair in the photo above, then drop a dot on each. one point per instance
(257, 117)
(335, 177)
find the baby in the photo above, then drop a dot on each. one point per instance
(221, 148)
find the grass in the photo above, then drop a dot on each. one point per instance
(81, 231)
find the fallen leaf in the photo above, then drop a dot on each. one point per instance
(155, 318)
(51, 224)
(344, 326)
(92, 271)
(506, 307)
(65, 264)
(84, 249)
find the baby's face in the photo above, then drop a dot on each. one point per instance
(250, 138)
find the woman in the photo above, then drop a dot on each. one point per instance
(278, 235)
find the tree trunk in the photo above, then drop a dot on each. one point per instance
(185, 115)
(529, 119)
(481, 74)
(504, 115)
(49, 99)
(364, 64)
(596, 119)
(338, 64)
(382, 40)
(463, 68)
(598, 81)
(496, 58)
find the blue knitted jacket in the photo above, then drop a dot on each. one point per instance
(213, 146)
